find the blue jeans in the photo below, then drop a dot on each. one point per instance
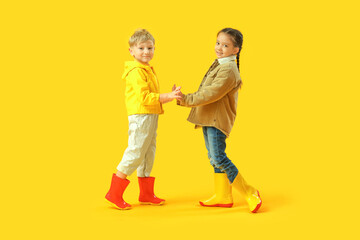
(215, 144)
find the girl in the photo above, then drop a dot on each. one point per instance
(214, 109)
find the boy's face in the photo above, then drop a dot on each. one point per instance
(143, 52)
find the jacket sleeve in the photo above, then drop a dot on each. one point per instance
(138, 81)
(223, 83)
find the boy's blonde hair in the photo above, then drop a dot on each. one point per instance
(141, 35)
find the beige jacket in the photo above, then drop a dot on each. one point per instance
(215, 102)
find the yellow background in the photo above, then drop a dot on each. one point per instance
(64, 123)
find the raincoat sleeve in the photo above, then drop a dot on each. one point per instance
(138, 80)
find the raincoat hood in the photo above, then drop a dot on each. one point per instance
(131, 65)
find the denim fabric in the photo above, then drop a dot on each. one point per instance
(215, 144)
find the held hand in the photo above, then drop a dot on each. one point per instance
(175, 94)
(174, 88)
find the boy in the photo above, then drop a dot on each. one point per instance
(143, 104)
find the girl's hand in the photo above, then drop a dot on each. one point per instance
(175, 94)
(179, 93)
(174, 88)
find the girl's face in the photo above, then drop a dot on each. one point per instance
(224, 46)
(143, 52)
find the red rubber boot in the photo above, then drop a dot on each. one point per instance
(115, 194)
(147, 195)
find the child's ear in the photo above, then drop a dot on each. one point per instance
(236, 50)
(131, 52)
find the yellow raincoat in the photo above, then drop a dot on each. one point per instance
(142, 89)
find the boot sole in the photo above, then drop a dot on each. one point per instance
(115, 206)
(229, 205)
(150, 203)
(257, 206)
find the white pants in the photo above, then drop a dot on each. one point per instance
(140, 153)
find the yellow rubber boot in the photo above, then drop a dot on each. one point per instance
(223, 195)
(251, 195)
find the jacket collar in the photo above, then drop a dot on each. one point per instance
(226, 59)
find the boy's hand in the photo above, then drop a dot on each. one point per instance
(175, 94)
(178, 92)
(175, 88)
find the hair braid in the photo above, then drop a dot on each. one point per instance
(238, 60)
